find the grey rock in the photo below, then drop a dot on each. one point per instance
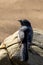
(4, 58)
(38, 39)
(12, 51)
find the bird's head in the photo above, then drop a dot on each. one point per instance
(24, 22)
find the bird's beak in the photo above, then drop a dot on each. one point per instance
(20, 21)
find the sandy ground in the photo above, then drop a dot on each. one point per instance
(13, 10)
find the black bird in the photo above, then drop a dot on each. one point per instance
(25, 29)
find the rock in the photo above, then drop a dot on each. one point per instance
(4, 58)
(36, 56)
(13, 47)
(38, 39)
(37, 50)
(13, 44)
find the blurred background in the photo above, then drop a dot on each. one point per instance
(13, 10)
